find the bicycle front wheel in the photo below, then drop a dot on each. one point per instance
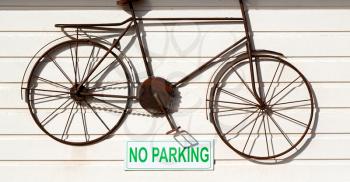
(74, 114)
(267, 125)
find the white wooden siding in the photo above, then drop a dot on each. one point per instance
(313, 34)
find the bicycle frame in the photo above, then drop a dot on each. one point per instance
(133, 21)
(159, 97)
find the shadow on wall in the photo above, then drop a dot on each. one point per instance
(173, 4)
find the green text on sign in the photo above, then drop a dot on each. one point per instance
(168, 155)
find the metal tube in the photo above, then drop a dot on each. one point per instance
(249, 49)
(92, 25)
(138, 34)
(208, 63)
(123, 33)
(194, 19)
(226, 19)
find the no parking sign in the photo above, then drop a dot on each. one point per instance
(168, 155)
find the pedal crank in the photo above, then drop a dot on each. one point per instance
(184, 138)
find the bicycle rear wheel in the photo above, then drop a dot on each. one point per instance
(267, 129)
(72, 116)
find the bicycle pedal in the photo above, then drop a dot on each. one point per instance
(173, 130)
(185, 139)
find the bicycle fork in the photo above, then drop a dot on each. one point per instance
(258, 93)
(250, 48)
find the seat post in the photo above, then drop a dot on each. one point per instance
(138, 34)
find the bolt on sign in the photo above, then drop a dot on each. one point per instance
(168, 155)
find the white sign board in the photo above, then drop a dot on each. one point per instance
(168, 155)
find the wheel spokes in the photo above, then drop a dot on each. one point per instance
(291, 102)
(251, 131)
(287, 93)
(274, 96)
(271, 136)
(52, 91)
(245, 84)
(237, 103)
(48, 96)
(52, 82)
(83, 118)
(273, 79)
(236, 108)
(266, 128)
(44, 123)
(68, 123)
(52, 99)
(77, 61)
(104, 69)
(237, 96)
(98, 116)
(257, 134)
(241, 123)
(290, 119)
(294, 107)
(233, 114)
(88, 62)
(266, 140)
(108, 103)
(61, 70)
(69, 113)
(74, 62)
(281, 130)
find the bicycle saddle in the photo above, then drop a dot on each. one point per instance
(123, 2)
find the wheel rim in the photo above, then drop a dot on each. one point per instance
(75, 117)
(268, 130)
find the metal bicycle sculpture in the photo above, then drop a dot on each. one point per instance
(260, 105)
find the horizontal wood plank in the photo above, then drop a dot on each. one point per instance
(111, 171)
(19, 122)
(190, 44)
(174, 69)
(179, 4)
(261, 20)
(332, 147)
(325, 94)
